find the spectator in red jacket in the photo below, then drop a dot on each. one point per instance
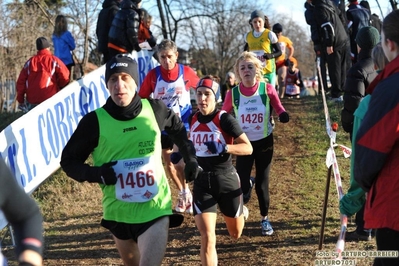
(42, 76)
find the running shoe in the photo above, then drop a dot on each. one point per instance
(181, 203)
(267, 229)
(189, 202)
(245, 212)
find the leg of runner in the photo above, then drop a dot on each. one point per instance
(281, 80)
(206, 224)
(235, 225)
(187, 196)
(176, 173)
(152, 243)
(172, 174)
(128, 250)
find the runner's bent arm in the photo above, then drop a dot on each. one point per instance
(23, 214)
(242, 144)
(292, 49)
(276, 49)
(274, 99)
(190, 78)
(82, 142)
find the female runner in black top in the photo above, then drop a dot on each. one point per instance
(212, 132)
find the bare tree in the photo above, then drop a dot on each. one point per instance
(213, 31)
(84, 16)
(26, 21)
(22, 24)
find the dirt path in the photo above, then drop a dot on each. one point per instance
(74, 237)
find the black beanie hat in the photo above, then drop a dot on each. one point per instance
(367, 37)
(42, 43)
(277, 28)
(122, 63)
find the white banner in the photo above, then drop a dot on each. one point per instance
(32, 145)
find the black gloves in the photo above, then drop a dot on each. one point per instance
(103, 175)
(216, 147)
(192, 170)
(268, 56)
(286, 62)
(284, 117)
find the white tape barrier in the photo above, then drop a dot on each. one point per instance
(32, 145)
(331, 161)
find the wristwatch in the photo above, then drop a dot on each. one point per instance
(226, 149)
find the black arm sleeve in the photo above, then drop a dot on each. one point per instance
(22, 212)
(276, 50)
(230, 125)
(246, 47)
(82, 142)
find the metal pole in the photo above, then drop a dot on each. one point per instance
(394, 4)
(382, 15)
(323, 219)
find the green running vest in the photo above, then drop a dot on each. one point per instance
(132, 139)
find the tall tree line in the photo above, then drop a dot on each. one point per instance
(212, 31)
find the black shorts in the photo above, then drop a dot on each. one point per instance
(166, 142)
(223, 189)
(126, 231)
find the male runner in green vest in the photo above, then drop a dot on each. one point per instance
(124, 139)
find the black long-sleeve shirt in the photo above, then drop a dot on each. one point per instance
(86, 136)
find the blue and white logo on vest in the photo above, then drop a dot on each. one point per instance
(252, 101)
(133, 164)
(251, 109)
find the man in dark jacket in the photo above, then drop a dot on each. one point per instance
(375, 20)
(123, 34)
(360, 75)
(358, 17)
(104, 22)
(335, 39)
(319, 50)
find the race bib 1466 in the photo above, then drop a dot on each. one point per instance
(136, 180)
